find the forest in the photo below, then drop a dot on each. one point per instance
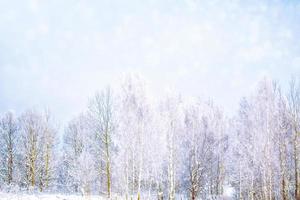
(130, 144)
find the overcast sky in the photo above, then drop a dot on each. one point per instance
(57, 53)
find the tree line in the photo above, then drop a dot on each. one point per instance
(140, 146)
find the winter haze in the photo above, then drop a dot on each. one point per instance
(58, 53)
(154, 99)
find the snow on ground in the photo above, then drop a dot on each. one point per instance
(22, 196)
(11, 196)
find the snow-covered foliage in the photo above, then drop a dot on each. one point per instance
(130, 144)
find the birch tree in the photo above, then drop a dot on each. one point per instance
(173, 118)
(132, 127)
(31, 128)
(8, 132)
(102, 123)
(47, 152)
(75, 140)
(294, 114)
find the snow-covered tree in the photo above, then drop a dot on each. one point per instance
(132, 119)
(47, 152)
(84, 173)
(75, 141)
(294, 117)
(137, 146)
(172, 116)
(8, 140)
(101, 123)
(36, 145)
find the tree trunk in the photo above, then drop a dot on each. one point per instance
(10, 160)
(297, 184)
(108, 176)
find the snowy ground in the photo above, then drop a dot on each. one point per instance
(10, 196)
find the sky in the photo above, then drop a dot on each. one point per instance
(57, 54)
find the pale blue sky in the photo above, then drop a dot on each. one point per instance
(58, 53)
